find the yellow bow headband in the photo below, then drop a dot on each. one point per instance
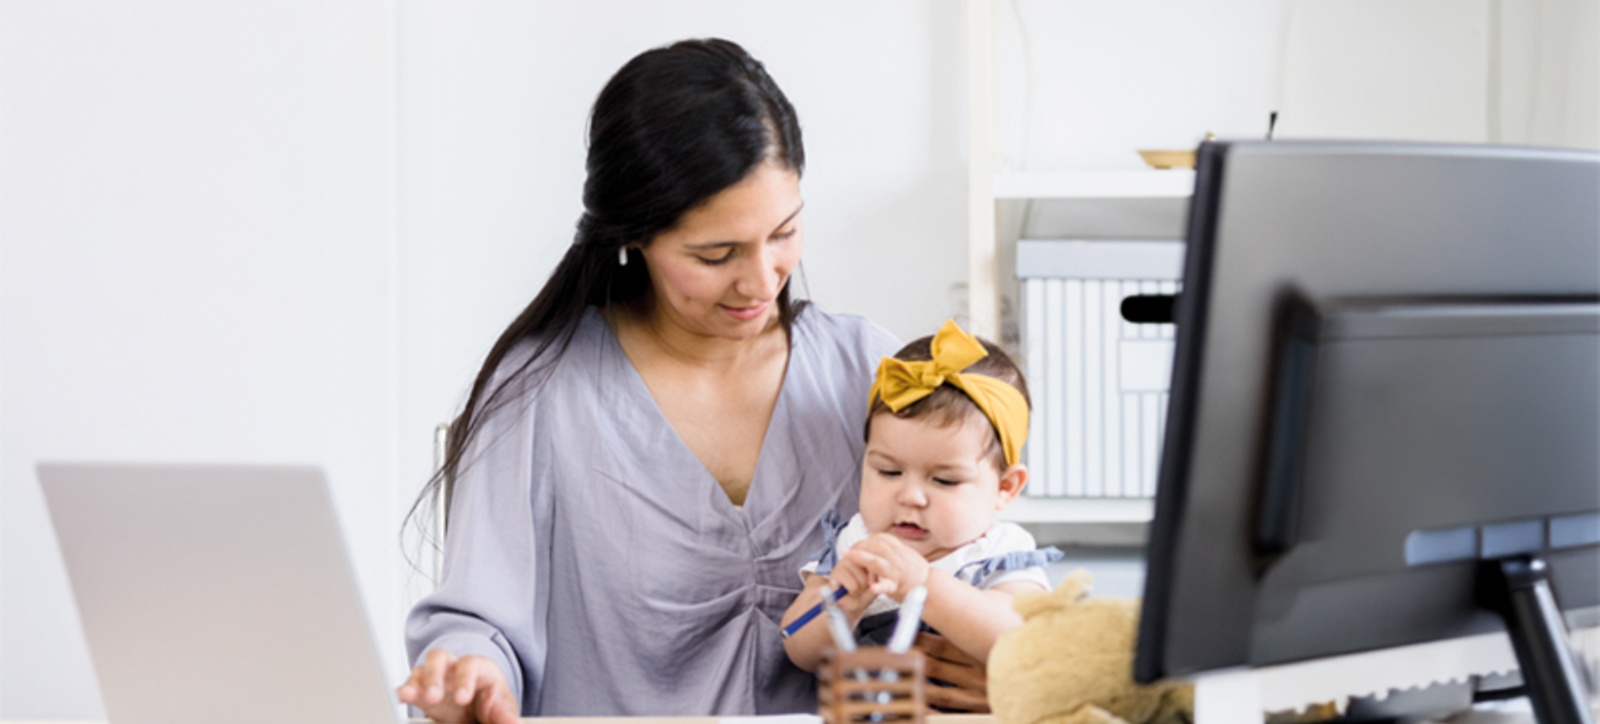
(901, 383)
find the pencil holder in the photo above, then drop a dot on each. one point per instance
(871, 684)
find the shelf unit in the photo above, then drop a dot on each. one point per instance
(1099, 524)
(1087, 510)
(1090, 185)
(988, 187)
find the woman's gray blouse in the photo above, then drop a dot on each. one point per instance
(595, 559)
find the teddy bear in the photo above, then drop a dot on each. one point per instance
(1071, 662)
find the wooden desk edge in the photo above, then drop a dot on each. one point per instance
(932, 719)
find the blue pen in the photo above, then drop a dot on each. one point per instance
(806, 617)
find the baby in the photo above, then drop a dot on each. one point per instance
(946, 421)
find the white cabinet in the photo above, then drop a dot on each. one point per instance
(1098, 382)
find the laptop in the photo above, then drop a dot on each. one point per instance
(216, 594)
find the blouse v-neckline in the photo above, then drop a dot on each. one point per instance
(753, 499)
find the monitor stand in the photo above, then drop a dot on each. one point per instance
(1245, 693)
(1519, 589)
(1240, 694)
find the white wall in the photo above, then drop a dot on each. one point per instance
(1105, 79)
(195, 252)
(1544, 73)
(287, 232)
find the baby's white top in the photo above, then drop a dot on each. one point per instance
(1001, 539)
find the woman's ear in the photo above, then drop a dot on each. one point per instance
(1012, 480)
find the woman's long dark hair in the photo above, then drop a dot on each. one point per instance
(673, 127)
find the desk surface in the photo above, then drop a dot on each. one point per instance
(931, 719)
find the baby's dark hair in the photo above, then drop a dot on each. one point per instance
(948, 405)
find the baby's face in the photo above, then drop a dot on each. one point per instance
(934, 487)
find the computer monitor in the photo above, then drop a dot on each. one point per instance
(1386, 381)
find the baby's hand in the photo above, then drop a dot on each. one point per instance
(857, 583)
(894, 567)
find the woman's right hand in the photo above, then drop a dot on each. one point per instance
(466, 690)
(967, 679)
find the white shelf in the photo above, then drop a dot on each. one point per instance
(1150, 183)
(1079, 510)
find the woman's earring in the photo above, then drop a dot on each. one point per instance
(622, 256)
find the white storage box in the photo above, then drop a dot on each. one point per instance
(1098, 382)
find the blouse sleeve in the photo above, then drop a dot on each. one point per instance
(494, 586)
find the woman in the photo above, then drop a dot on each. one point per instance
(644, 455)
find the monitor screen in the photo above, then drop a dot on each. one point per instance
(1387, 371)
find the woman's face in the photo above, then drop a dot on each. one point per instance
(718, 272)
